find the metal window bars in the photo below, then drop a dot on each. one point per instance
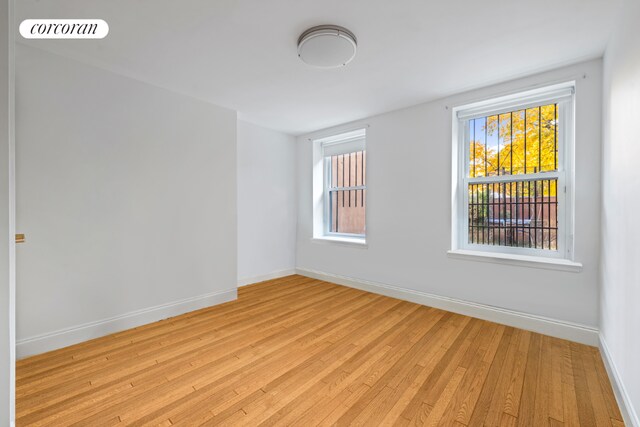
(513, 178)
(514, 213)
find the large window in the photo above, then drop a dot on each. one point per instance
(513, 166)
(343, 159)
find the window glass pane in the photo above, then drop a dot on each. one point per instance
(514, 143)
(348, 211)
(549, 153)
(517, 145)
(346, 194)
(504, 144)
(532, 141)
(514, 213)
(478, 147)
(492, 146)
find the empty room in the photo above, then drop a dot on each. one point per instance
(318, 213)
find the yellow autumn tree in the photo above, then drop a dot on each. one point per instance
(523, 142)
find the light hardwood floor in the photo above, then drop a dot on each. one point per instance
(298, 351)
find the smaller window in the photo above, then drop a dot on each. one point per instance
(343, 160)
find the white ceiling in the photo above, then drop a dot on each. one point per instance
(241, 54)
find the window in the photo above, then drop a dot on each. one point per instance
(514, 182)
(342, 161)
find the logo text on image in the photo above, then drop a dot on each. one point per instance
(64, 29)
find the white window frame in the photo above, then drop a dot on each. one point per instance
(344, 142)
(564, 95)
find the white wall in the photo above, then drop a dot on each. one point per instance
(127, 195)
(407, 248)
(7, 211)
(620, 293)
(266, 203)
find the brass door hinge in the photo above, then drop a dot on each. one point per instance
(20, 238)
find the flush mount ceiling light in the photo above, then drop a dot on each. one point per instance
(327, 46)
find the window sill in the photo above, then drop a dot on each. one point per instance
(344, 241)
(519, 260)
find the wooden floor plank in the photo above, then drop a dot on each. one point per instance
(483, 404)
(554, 396)
(465, 404)
(526, 410)
(516, 380)
(437, 412)
(299, 351)
(570, 415)
(541, 407)
(586, 411)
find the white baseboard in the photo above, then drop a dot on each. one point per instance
(544, 325)
(629, 415)
(69, 336)
(268, 276)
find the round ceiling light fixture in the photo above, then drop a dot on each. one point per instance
(327, 46)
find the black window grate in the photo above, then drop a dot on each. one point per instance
(523, 211)
(514, 213)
